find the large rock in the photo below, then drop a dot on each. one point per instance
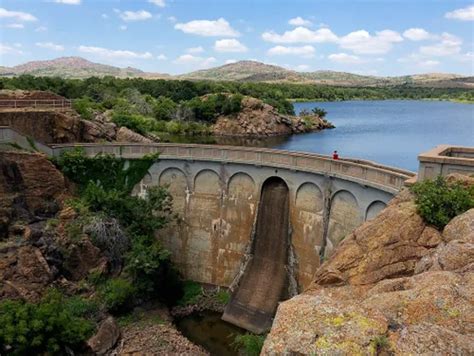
(126, 135)
(386, 247)
(106, 337)
(257, 119)
(24, 273)
(393, 287)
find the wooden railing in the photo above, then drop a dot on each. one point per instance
(37, 104)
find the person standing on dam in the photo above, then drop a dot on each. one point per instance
(335, 155)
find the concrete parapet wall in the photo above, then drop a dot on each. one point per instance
(444, 159)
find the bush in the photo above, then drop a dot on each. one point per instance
(192, 291)
(319, 112)
(439, 201)
(117, 294)
(47, 327)
(249, 344)
(85, 107)
(145, 263)
(164, 108)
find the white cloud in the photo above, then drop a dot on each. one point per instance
(41, 29)
(230, 61)
(361, 42)
(302, 68)
(229, 45)
(208, 28)
(123, 27)
(428, 63)
(15, 25)
(16, 15)
(299, 21)
(464, 14)
(7, 49)
(301, 35)
(199, 62)
(417, 34)
(195, 50)
(110, 53)
(303, 51)
(68, 2)
(419, 60)
(345, 58)
(172, 19)
(105, 16)
(160, 3)
(466, 57)
(140, 15)
(50, 45)
(162, 57)
(448, 46)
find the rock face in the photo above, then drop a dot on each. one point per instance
(105, 338)
(394, 285)
(257, 119)
(127, 135)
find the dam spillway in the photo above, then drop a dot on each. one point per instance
(265, 279)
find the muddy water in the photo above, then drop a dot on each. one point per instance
(210, 331)
(265, 281)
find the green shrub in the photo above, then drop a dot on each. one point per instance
(85, 107)
(145, 263)
(223, 297)
(164, 108)
(47, 327)
(192, 291)
(117, 294)
(319, 112)
(249, 344)
(439, 201)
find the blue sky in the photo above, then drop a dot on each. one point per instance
(176, 36)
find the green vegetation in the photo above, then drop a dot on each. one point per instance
(123, 226)
(439, 201)
(223, 297)
(249, 344)
(117, 294)
(50, 326)
(192, 292)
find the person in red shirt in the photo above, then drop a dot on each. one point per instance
(335, 155)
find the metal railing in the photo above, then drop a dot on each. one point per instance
(37, 104)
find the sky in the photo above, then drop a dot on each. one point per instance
(377, 37)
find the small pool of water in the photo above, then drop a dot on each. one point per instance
(208, 330)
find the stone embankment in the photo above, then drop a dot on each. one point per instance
(257, 119)
(394, 285)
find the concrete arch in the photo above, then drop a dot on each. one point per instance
(207, 181)
(241, 185)
(344, 217)
(309, 197)
(175, 181)
(141, 187)
(307, 230)
(374, 209)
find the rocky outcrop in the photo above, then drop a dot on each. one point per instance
(257, 119)
(394, 285)
(127, 135)
(105, 338)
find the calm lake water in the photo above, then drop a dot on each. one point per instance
(391, 132)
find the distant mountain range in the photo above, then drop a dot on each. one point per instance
(246, 71)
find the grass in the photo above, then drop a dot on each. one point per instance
(192, 292)
(223, 297)
(249, 344)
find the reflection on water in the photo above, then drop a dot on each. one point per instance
(210, 331)
(272, 141)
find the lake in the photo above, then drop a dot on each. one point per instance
(391, 132)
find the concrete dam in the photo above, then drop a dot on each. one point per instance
(257, 221)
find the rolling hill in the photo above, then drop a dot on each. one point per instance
(75, 67)
(245, 71)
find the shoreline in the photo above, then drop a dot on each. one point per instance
(303, 100)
